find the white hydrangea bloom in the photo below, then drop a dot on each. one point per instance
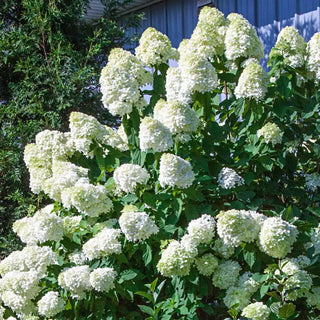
(76, 280)
(87, 198)
(154, 135)
(102, 279)
(176, 116)
(239, 226)
(124, 138)
(202, 230)
(241, 39)
(103, 243)
(236, 298)
(22, 283)
(229, 179)
(175, 171)
(137, 226)
(64, 175)
(155, 48)
(176, 260)
(17, 303)
(208, 36)
(253, 82)
(256, 311)
(226, 275)
(174, 87)
(301, 282)
(197, 72)
(43, 226)
(289, 266)
(292, 46)
(270, 133)
(182, 138)
(313, 55)
(50, 304)
(239, 296)
(78, 257)
(313, 181)
(313, 297)
(120, 81)
(54, 144)
(189, 242)
(277, 237)
(85, 130)
(31, 258)
(39, 165)
(71, 224)
(223, 250)
(128, 176)
(207, 264)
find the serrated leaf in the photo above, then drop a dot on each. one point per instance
(147, 255)
(249, 258)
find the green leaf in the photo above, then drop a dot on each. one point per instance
(147, 255)
(145, 295)
(287, 310)
(146, 309)
(127, 275)
(249, 258)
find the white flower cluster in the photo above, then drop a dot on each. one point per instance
(176, 259)
(256, 311)
(85, 130)
(241, 293)
(226, 275)
(155, 48)
(154, 135)
(87, 198)
(241, 39)
(229, 179)
(208, 36)
(239, 226)
(128, 176)
(175, 171)
(207, 264)
(137, 226)
(197, 72)
(313, 55)
(104, 243)
(253, 82)
(43, 226)
(297, 285)
(50, 304)
(292, 265)
(176, 116)
(174, 87)
(31, 258)
(64, 175)
(120, 81)
(270, 133)
(55, 144)
(223, 250)
(76, 280)
(313, 181)
(102, 279)
(277, 237)
(291, 46)
(202, 230)
(17, 289)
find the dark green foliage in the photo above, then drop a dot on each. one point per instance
(50, 63)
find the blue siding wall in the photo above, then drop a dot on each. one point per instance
(177, 18)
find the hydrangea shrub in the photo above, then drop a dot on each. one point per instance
(203, 204)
